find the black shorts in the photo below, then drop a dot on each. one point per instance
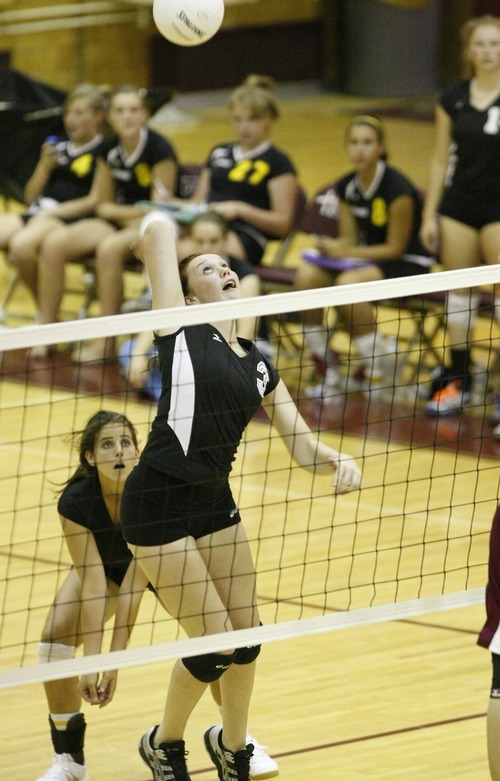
(393, 269)
(26, 217)
(474, 211)
(253, 241)
(157, 508)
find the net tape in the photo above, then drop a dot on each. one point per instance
(240, 638)
(277, 303)
(282, 303)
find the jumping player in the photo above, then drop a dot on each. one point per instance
(178, 515)
(461, 215)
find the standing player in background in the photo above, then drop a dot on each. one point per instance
(379, 220)
(178, 514)
(489, 637)
(59, 189)
(461, 218)
(250, 182)
(134, 165)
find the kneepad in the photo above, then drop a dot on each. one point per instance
(208, 667)
(495, 683)
(55, 652)
(247, 654)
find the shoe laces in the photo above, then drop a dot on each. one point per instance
(242, 762)
(175, 756)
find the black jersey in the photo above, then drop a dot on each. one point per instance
(474, 163)
(489, 636)
(72, 176)
(82, 502)
(235, 176)
(371, 208)
(133, 174)
(209, 394)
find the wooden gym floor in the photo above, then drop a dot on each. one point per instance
(399, 700)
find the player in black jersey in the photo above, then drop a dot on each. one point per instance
(178, 514)
(103, 578)
(379, 220)
(58, 190)
(103, 581)
(250, 182)
(489, 638)
(136, 164)
(462, 207)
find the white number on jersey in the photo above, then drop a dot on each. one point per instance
(492, 124)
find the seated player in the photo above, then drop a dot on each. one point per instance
(59, 189)
(250, 182)
(378, 239)
(133, 165)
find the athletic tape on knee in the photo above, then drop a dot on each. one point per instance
(461, 311)
(246, 655)
(55, 652)
(208, 667)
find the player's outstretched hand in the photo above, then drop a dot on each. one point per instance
(347, 475)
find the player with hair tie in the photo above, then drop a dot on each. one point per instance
(178, 514)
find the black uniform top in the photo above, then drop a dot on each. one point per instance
(72, 176)
(371, 208)
(82, 502)
(133, 174)
(209, 395)
(474, 164)
(489, 636)
(245, 177)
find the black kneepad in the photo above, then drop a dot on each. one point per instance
(208, 667)
(495, 683)
(246, 655)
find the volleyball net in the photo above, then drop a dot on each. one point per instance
(413, 540)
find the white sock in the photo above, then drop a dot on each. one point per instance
(61, 720)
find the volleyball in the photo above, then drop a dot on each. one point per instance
(188, 22)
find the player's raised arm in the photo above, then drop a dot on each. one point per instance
(159, 254)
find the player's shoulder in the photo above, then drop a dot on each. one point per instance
(280, 159)
(343, 182)
(107, 145)
(455, 96)
(77, 495)
(222, 149)
(158, 141)
(397, 178)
